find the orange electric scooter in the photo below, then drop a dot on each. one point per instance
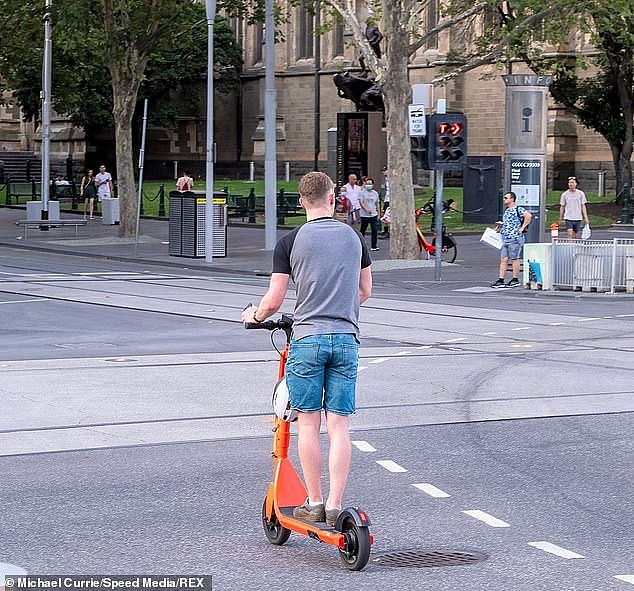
(351, 534)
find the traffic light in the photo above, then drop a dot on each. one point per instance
(447, 141)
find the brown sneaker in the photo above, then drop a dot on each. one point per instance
(315, 513)
(331, 516)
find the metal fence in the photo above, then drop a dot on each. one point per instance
(601, 265)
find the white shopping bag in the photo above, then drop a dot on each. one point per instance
(492, 238)
(586, 232)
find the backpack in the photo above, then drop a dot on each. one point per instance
(521, 219)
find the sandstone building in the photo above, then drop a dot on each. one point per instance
(239, 122)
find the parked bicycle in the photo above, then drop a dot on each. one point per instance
(449, 250)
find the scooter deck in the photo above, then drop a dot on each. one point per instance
(288, 512)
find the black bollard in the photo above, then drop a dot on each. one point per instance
(251, 205)
(626, 216)
(161, 210)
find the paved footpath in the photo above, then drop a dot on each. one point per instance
(476, 265)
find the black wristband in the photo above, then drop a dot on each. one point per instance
(255, 319)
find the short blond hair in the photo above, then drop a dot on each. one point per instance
(315, 187)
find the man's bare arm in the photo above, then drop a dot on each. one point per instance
(365, 284)
(270, 302)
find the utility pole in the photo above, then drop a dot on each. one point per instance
(209, 169)
(47, 68)
(270, 148)
(317, 57)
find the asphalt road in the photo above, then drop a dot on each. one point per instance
(135, 431)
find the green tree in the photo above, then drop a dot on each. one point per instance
(401, 22)
(597, 90)
(103, 52)
(596, 84)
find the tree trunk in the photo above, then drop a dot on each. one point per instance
(396, 97)
(125, 89)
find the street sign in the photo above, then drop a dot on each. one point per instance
(525, 181)
(417, 126)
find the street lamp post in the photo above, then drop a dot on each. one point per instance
(209, 169)
(47, 68)
(270, 148)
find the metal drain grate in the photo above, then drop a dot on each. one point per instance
(428, 558)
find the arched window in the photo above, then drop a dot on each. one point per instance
(305, 32)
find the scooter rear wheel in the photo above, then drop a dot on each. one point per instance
(275, 533)
(356, 552)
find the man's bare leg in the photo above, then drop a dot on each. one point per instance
(310, 453)
(503, 265)
(516, 268)
(338, 457)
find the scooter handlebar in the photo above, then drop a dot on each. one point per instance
(266, 325)
(285, 322)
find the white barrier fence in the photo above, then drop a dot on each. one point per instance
(601, 265)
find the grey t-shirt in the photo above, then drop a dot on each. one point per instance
(324, 258)
(572, 202)
(370, 200)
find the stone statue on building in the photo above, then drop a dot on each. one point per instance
(361, 89)
(374, 37)
(363, 92)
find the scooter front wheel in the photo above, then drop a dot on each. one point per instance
(275, 533)
(356, 552)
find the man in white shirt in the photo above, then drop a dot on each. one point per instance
(573, 208)
(103, 182)
(353, 193)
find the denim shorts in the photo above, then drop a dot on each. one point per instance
(573, 225)
(321, 372)
(512, 247)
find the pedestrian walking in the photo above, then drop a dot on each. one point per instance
(331, 283)
(103, 182)
(386, 205)
(369, 203)
(353, 192)
(88, 191)
(572, 208)
(514, 222)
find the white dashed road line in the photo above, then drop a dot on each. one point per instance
(587, 319)
(486, 518)
(625, 578)
(361, 368)
(363, 446)
(456, 340)
(379, 360)
(554, 549)
(431, 490)
(522, 328)
(400, 353)
(391, 466)
(424, 347)
(488, 334)
(25, 301)
(557, 323)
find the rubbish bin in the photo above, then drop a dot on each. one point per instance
(34, 210)
(109, 211)
(187, 224)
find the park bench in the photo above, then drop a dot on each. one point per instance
(238, 206)
(26, 224)
(65, 192)
(22, 188)
(288, 205)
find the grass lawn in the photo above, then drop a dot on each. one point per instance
(604, 214)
